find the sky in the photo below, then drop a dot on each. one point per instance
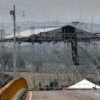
(64, 10)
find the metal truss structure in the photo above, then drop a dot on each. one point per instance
(53, 63)
(62, 56)
(63, 63)
(18, 52)
(2, 58)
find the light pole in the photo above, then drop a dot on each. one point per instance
(14, 58)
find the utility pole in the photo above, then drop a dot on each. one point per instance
(14, 44)
(14, 59)
(12, 12)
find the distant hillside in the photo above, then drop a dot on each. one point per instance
(29, 16)
(6, 17)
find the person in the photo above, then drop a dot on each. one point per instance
(39, 84)
(47, 88)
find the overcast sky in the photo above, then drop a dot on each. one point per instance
(68, 9)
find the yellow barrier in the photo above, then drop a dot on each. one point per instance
(9, 90)
(44, 89)
(64, 88)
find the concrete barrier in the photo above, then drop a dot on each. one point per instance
(19, 94)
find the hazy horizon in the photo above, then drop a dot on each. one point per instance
(43, 10)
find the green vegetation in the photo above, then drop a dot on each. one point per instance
(8, 61)
(94, 81)
(7, 78)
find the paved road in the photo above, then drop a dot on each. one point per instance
(64, 95)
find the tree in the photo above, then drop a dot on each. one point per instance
(8, 61)
(20, 63)
(97, 62)
(10, 64)
(5, 59)
(7, 78)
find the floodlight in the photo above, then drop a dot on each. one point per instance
(12, 12)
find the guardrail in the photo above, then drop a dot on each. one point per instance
(9, 90)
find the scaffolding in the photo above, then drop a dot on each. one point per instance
(18, 53)
(65, 63)
(2, 58)
(61, 59)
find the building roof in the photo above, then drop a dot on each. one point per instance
(59, 33)
(28, 33)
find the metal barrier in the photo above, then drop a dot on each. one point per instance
(9, 90)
